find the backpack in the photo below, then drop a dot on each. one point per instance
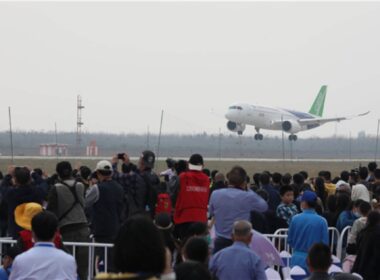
(73, 191)
(164, 204)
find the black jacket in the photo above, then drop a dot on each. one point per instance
(368, 257)
(107, 211)
(17, 196)
(274, 197)
(153, 187)
(267, 222)
(135, 192)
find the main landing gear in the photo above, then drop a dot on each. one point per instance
(258, 135)
(293, 137)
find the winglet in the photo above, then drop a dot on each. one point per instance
(319, 103)
(364, 114)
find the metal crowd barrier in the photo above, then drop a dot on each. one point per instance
(340, 251)
(280, 242)
(334, 237)
(74, 246)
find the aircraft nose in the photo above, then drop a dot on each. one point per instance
(228, 115)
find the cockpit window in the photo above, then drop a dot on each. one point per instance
(236, 108)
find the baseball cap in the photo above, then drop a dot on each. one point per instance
(148, 157)
(25, 212)
(309, 196)
(196, 162)
(103, 165)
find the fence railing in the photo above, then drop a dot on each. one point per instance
(340, 251)
(334, 237)
(279, 240)
(73, 247)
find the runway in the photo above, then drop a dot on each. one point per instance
(239, 159)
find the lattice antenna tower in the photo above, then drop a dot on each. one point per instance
(80, 107)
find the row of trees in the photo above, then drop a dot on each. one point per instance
(27, 144)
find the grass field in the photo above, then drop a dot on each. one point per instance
(312, 167)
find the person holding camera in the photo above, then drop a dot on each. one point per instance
(145, 169)
(134, 186)
(169, 173)
(233, 204)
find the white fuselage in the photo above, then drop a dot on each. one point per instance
(262, 117)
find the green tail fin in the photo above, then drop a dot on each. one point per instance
(319, 103)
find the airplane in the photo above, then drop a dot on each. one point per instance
(290, 121)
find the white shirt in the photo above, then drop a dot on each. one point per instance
(44, 261)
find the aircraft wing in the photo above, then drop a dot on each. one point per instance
(321, 121)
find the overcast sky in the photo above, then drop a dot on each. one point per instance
(129, 61)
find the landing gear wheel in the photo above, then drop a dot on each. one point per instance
(240, 133)
(293, 137)
(259, 137)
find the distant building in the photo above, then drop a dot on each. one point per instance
(92, 150)
(49, 150)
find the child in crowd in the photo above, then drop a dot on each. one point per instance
(24, 214)
(8, 258)
(286, 210)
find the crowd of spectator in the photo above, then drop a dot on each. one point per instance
(185, 223)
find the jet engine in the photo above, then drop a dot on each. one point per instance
(291, 126)
(236, 127)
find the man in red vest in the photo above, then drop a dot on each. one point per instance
(192, 201)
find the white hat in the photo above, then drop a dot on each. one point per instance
(341, 183)
(103, 165)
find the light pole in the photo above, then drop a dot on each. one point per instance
(377, 139)
(10, 132)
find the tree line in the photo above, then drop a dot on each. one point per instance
(27, 143)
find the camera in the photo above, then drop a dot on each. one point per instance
(121, 156)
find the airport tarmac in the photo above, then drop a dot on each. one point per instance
(252, 165)
(238, 159)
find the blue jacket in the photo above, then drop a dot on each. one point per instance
(305, 230)
(346, 218)
(4, 273)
